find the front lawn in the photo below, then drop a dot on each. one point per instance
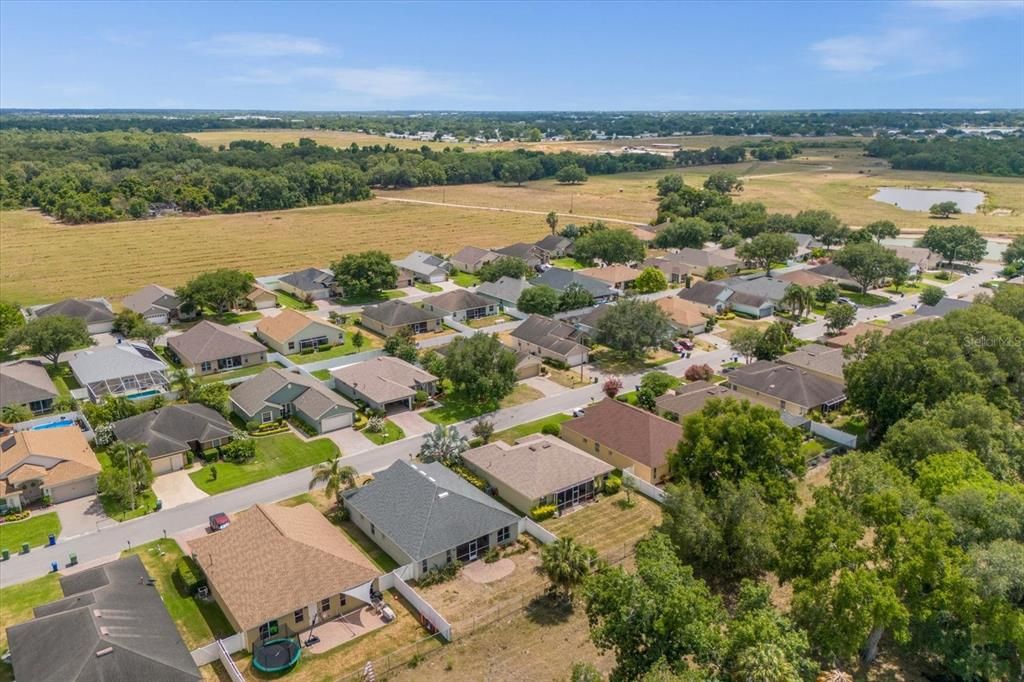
(466, 279)
(287, 300)
(34, 530)
(940, 278)
(275, 455)
(904, 289)
(371, 299)
(145, 503)
(453, 410)
(236, 373)
(199, 621)
(511, 435)
(863, 299)
(390, 434)
(232, 317)
(568, 263)
(16, 604)
(63, 378)
(428, 287)
(322, 374)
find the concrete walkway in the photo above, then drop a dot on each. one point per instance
(412, 423)
(176, 488)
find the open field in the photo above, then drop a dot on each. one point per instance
(330, 138)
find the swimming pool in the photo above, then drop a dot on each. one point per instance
(53, 425)
(145, 394)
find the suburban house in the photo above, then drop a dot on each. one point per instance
(700, 260)
(259, 298)
(425, 267)
(588, 321)
(390, 317)
(27, 383)
(311, 284)
(837, 274)
(849, 336)
(111, 624)
(712, 295)
(804, 278)
(276, 393)
(795, 390)
(383, 383)
(626, 437)
(277, 571)
(208, 348)
(96, 314)
(551, 339)
(822, 360)
(539, 470)
(130, 369)
(691, 398)
(461, 304)
(559, 279)
(169, 432)
(55, 462)
(530, 253)
(472, 258)
(293, 332)
(426, 516)
(554, 246)
(406, 278)
(505, 291)
(805, 243)
(157, 304)
(757, 296)
(674, 270)
(527, 365)
(686, 316)
(920, 259)
(619, 277)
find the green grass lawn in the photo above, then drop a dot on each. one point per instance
(568, 263)
(514, 433)
(861, 298)
(905, 289)
(199, 622)
(369, 300)
(339, 351)
(232, 317)
(466, 279)
(322, 374)
(63, 378)
(428, 287)
(235, 373)
(145, 503)
(481, 322)
(16, 604)
(286, 300)
(34, 530)
(934, 277)
(275, 455)
(391, 433)
(454, 410)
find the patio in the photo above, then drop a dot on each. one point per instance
(340, 630)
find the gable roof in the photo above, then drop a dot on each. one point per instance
(57, 456)
(945, 306)
(536, 466)
(690, 398)
(110, 625)
(310, 280)
(553, 335)
(701, 259)
(706, 293)
(458, 299)
(553, 242)
(258, 291)
(612, 274)
(832, 271)
(254, 393)
(917, 255)
(669, 266)
(683, 313)
(273, 560)
(848, 336)
(24, 382)
(383, 379)
(426, 509)
(560, 278)
(636, 433)
(423, 263)
(767, 289)
(102, 363)
(804, 278)
(473, 255)
(91, 312)
(287, 323)
(592, 317)
(818, 358)
(528, 252)
(396, 313)
(169, 429)
(785, 382)
(209, 341)
(152, 299)
(504, 289)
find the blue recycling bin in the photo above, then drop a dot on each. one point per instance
(53, 567)
(53, 539)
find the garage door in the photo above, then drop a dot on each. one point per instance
(166, 465)
(335, 423)
(73, 490)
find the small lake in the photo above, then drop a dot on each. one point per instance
(923, 199)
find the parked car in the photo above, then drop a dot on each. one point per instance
(843, 299)
(219, 521)
(578, 412)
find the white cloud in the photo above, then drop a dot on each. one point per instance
(965, 10)
(260, 45)
(902, 52)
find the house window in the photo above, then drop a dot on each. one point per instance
(448, 557)
(423, 565)
(504, 534)
(597, 447)
(267, 417)
(205, 367)
(268, 629)
(291, 345)
(325, 604)
(373, 529)
(342, 599)
(299, 615)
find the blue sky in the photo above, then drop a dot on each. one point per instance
(514, 56)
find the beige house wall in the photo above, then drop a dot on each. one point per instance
(383, 330)
(614, 457)
(334, 335)
(247, 361)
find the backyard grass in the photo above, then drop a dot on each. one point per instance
(482, 322)
(511, 435)
(199, 622)
(348, 347)
(567, 263)
(275, 455)
(34, 530)
(608, 526)
(466, 279)
(731, 326)
(63, 378)
(322, 374)
(453, 410)
(236, 373)
(428, 287)
(287, 300)
(390, 434)
(16, 604)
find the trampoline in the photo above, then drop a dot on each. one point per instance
(276, 655)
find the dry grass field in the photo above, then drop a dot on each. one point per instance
(330, 138)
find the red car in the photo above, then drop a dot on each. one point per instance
(219, 521)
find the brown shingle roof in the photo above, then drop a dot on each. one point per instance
(287, 323)
(804, 278)
(383, 379)
(273, 560)
(208, 341)
(612, 274)
(817, 358)
(635, 433)
(848, 336)
(63, 453)
(683, 313)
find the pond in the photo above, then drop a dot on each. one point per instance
(923, 199)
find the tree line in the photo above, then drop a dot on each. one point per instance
(953, 155)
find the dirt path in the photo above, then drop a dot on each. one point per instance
(509, 210)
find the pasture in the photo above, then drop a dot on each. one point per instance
(329, 138)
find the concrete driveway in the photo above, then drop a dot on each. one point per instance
(411, 423)
(350, 441)
(80, 516)
(546, 386)
(176, 488)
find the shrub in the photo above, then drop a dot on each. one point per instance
(698, 373)
(612, 386)
(47, 500)
(557, 364)
(302, 426)
(252, 426)
(16, 516)
(543, 511)
(436, 576)
(551, 429)
(241, 448)
(612, 485)
(420, 397)
(375, 424)
(491, 555)
(104, 434)
(191, 577)
(470, 476)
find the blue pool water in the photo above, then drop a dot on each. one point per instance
(144, 395)
(53, 425)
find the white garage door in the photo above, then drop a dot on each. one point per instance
(335, 423)
(166, 465)
(73, 490)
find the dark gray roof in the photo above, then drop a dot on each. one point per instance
(110, 626)
(507, 289)
(310, 279)
(594, 315)
(396, 313)
(554, 335)
(458, 299)
(942, 308)
(560, 278)
(24, 382)
(706, 293)
(426, 509)
(785, 382)
(554, 242)
(91, 312)
(167, 430)
(253, 394)
(152, 299)
(527, 252)
(818, 358)
(765, 288)
(832, 271)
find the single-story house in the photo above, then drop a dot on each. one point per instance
(527, 365)
(646, 236)
(406, 278)
(837, 274)
(425, 267)
(849, 336)
(909, 321)
(259, 298)
(390, 317)
(619, 277)
(587, 322)
(686, 316)
(277, 393)
(128, 369)
(559, 279)
(700, 260)
(920, 259)
(461, 304)
(690, 398)
(157, 304)
(805, 243)
(539, 470)
(27, 383)
(674, 270)
(804, 278)
(827, 362)
(170, 431)
(57, 462)
(311, 284)
(554, 246)
(383, 382)
(625, 437)
(945, 306)
(530, 253)
(427, 516)
(293, 332)
(552, 339)
(795, 390)
(278, 571)
(96, 313)
(111, 624)
(209, 347)
(505, 291)
(472, 258)
(712, 295)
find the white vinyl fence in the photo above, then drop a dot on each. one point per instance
(57, 417)
(543, 535)
(835, 435)
(645, 488)
(435, 622)
(211, 652)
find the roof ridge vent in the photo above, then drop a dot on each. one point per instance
(442, 495)
(104, 652)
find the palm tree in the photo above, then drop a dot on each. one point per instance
(183, 381)
(132, 458)
(797, 299)
(715, 272)
(566, 564)
(444, 444)
(14, 413)
(552, 220)
(337, 477)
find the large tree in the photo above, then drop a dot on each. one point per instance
(10, 318)
(506, 266)
(686, 233)
(480, 367)
(445, 445)
(50, 336)
(540, 299)
(745, 341)
(571, 175)
(575, 297)
(869, 264)
(766, 249)
(650, 281)
(632, 326)
(1013, 254)
(839, 316)
(815, 222)
(365, 274)
(955, 243)
(723, 182)
(566, 563)
(609, 246)
(219, 290)
(944, 209)
(882, 229)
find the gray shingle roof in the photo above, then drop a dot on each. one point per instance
(706, 293)
(169, 429)
(818, 358)
(560, 278)
(528, 252)
(426, 509)
(765, 288)
(458, 299)
(252, 394)
(24, 382)
(397, 313)
(110, 608)
(788, 383)
(310, 280)
(473, 255)
(152, 299)
(554, 335)
(554, 242)
(91, 312)
(208, 341)
(422, 263)
(945, 306)
(507, 289)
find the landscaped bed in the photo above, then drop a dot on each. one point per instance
(390, 434)
(35, 530)
(287, 300)
(275, 455)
